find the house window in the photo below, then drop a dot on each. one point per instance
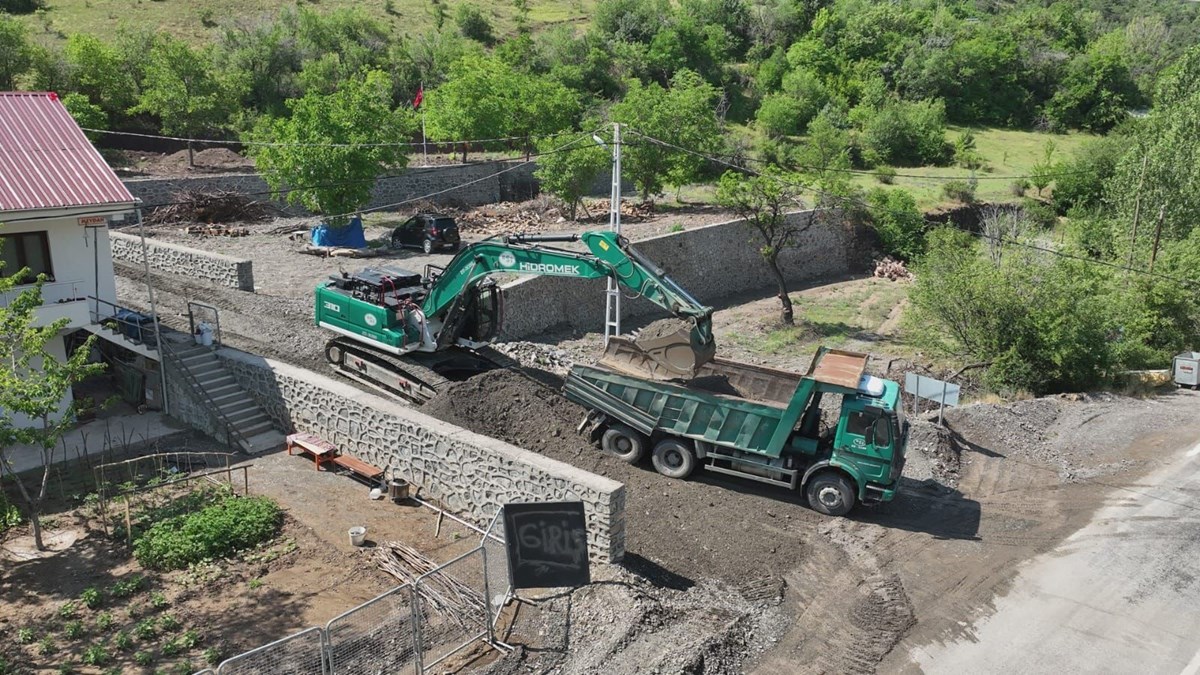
(27, 249)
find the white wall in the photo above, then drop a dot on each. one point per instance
(57, 348)
(74, 256)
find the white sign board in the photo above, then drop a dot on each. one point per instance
(937, 391)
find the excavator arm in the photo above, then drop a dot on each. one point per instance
(674, 354)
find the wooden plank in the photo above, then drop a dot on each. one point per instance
(358, 466)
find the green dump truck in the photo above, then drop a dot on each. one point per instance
(757, 423)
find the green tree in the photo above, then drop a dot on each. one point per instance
(763, 203)
(327, 143)
(683, 116)
(1097, 90)
(472, 23)
(900, 133)
(567, 174)
(779, 115)
(86, 114)
(486, 98)
(16, 54)
(33, 385)
(99, 75)
(900, 224)
(185, 91)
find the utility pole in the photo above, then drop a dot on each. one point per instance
(1137, 212)
(1162, 212)
(612, 309)
(158, 336)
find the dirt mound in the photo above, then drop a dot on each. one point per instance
(939, 449)
(212, 160)
(663, 328)
(701, 527)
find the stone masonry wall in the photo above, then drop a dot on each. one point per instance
(462, 184)
(184, 261)
(472, 475)
(712, 263)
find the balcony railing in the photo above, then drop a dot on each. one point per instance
(56, 293)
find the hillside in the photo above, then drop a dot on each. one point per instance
(199, 22)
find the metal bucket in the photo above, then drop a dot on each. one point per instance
(398, 489)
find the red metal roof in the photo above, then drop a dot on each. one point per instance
(46, 161)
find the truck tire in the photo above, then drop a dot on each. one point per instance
(831, 493)
(673, 458)
(626, 444)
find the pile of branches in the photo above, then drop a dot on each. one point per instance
(448, 596)
(892, 269)
(506, 217)
(220, 206)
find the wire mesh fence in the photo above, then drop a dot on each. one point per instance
(375, 637)
(498, 584)
(300, 654)
(452, 607)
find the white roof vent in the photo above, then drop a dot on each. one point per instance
(871, 386)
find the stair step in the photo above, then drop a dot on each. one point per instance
(255, 429)
(214, 380)
(227, 395)
(241, 415)
(263, 442)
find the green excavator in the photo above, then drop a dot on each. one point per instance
(407, 334)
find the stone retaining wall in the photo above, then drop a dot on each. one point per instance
(184, 261)
(712, 263)
(472, 475)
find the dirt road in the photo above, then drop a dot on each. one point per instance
(1120, 595)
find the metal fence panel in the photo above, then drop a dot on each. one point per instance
(498, 580)
(298, 654)
(452, 605)
(374, 638)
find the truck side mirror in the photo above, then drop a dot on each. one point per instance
(881, 433)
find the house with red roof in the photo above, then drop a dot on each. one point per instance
(58, 198)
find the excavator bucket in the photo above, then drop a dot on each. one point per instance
(672, 356)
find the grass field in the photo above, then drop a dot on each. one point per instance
(201, 21)
(1007, 153)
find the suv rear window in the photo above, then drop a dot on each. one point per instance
(443, 223)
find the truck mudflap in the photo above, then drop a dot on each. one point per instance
(877, 494)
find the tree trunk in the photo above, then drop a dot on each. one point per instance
(786, 315)
(464, 152)
(191, 158)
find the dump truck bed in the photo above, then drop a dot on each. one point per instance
(691, 410)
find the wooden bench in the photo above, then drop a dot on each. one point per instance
(373, 474)
(322, 451)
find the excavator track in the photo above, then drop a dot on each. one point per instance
(415, 378)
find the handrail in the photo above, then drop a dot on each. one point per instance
(216, 319)
(143, 330)
(230, 429)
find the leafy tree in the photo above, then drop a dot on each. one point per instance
(779, 115)
(1040, 174)
(1097, 90)
(24, 351)
(630, 20)
(184, 90)
(472, 23)
(827, 146)
(568, 174)
(86, 114)
(898, 221)
(16, 54)
(20, 6)
(683, 116)
(901, 133)
(763, 202)
(328, 144)
(48, 70)
(1040, 323)
(98, 74)
(486, 98)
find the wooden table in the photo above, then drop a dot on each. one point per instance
(322, 451)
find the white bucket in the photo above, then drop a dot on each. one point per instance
(358, 535)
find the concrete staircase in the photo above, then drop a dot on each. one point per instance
(237, 408)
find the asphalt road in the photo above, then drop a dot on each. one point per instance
(1121, 595)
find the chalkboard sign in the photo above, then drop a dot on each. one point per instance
(547, 544)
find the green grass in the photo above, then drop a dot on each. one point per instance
(1007, 153)
(183, 19)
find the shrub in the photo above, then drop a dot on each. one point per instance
(158, 600)
(143, 658)
(122, 641)
(473, 24)
(1018, 187)
(1039, 213)
(168, 623)
(73, 630)
(898, 221)
(24, 635)
(68, 610)
(127, 587)
(226, 527)
(779, 115)
(903, 133)
(960, 190)
(91, 597)
(885, 174)
(104, 621)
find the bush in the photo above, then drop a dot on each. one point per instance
(1018, 187)
(961, 190)
(91, 597)
(779, 115)
(898, 221)
(885, 174)
(903, 134)
(230, 525)
(473, 24)
(965, 154)
(1040, 213)
(20, 6)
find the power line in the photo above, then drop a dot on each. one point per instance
(863, 172)
(1194, 283)
(273, 144)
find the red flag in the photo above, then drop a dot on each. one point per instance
(420, 97)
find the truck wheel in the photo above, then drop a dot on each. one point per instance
(830, 493)
(673, 459)
(628, 445)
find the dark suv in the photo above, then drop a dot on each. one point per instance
(427, 231)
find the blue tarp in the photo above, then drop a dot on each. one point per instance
(347, 236)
